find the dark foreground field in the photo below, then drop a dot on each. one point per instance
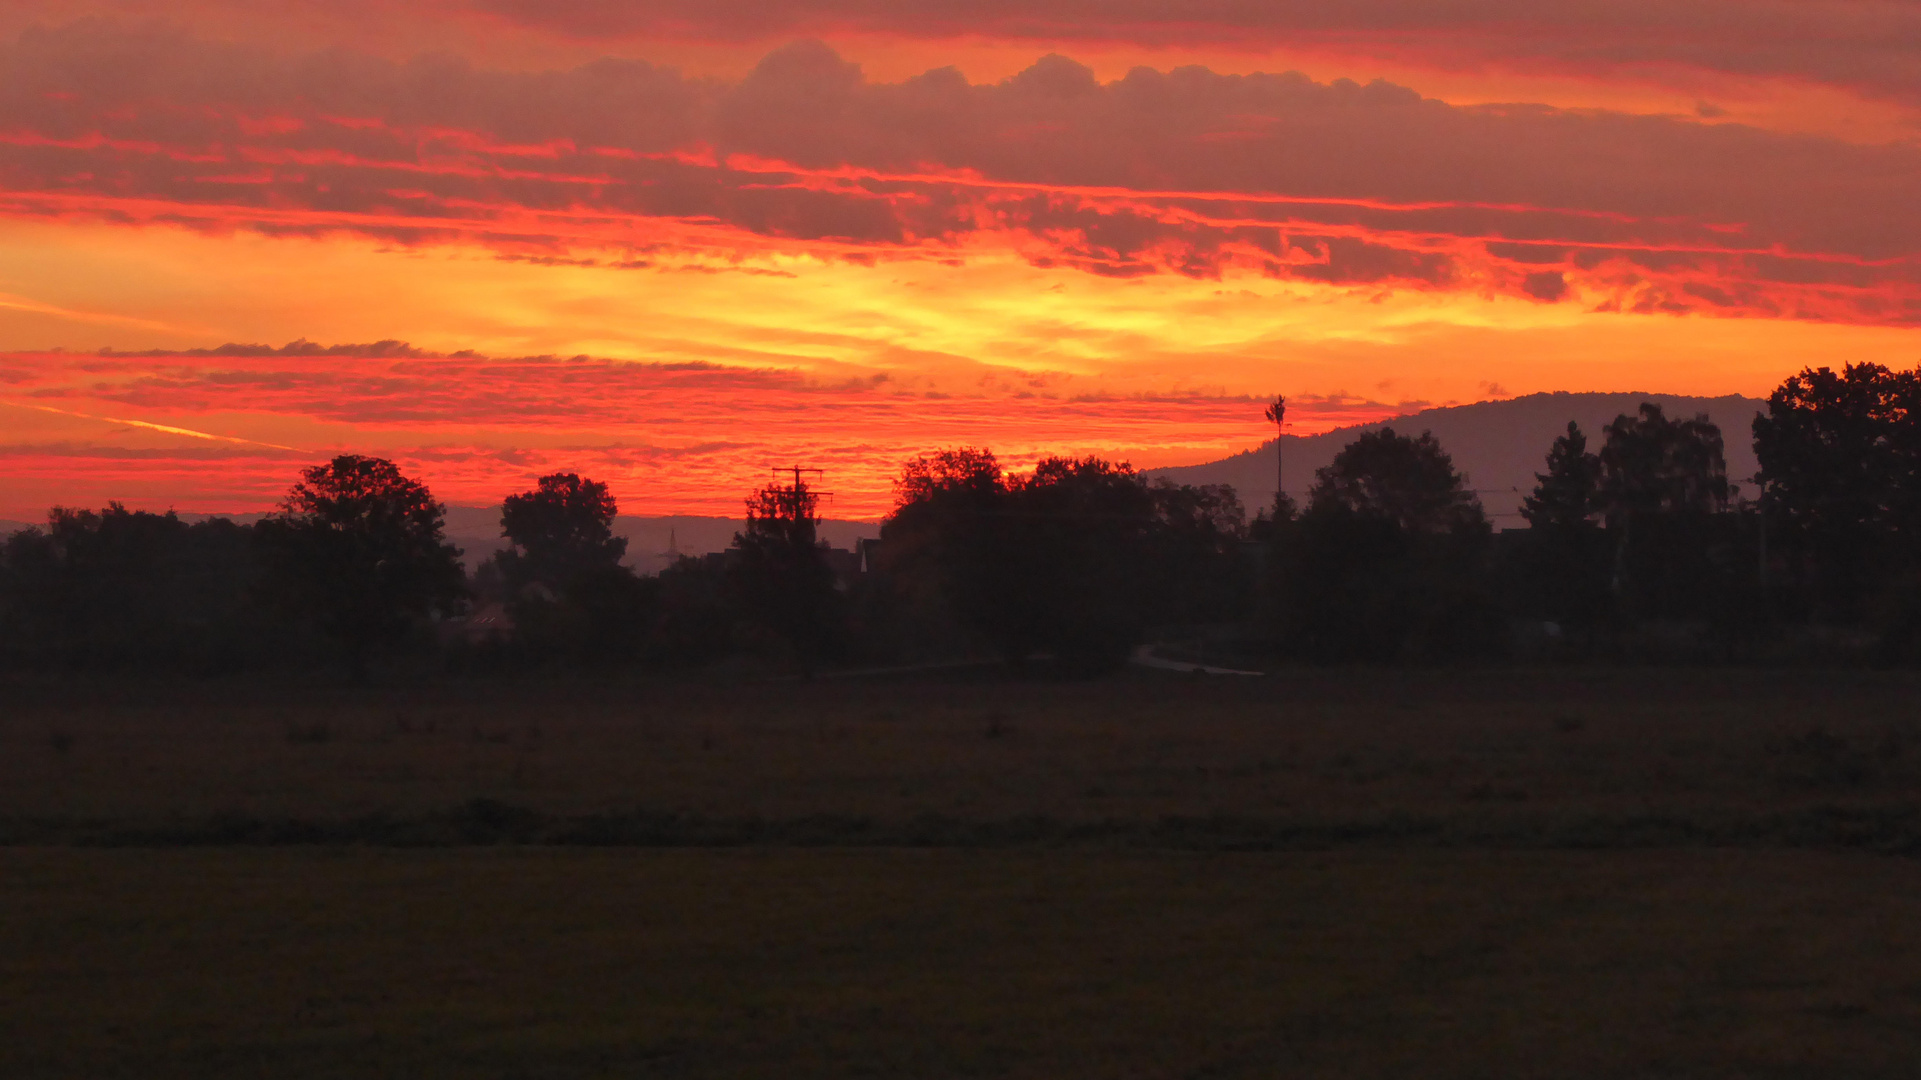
(538, 963)
(1611, 873)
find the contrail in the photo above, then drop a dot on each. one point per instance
(168, 428)
(40, 307)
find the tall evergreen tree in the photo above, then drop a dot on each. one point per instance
(1568, 493)
(1562, 569)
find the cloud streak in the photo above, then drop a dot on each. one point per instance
(670, 438)
(167, 429)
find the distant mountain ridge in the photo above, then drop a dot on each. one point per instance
(652, 542)
(1498, 445)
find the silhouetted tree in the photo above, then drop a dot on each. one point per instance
(1074, 559)
(1651, 464)
(700, 609)
(1840, 458)
(1198, 572)
(1385, 563)
(1562, 569)
(1663, 481)
(606, 616)
(1408, 481)
(950, 542)
(1082, 566)
(358, 548)
(119, 587)
(567, 591)
(1568, 493)
(561, 530)
(784, 580)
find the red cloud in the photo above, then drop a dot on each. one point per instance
(1185, 172)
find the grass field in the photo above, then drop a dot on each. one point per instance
(753, 963)
(1606, 873)
(1570, 758)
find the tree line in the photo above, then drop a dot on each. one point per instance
(1073, 564)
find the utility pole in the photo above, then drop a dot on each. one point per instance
(799, 500)
(800, 485)
(1277, 412)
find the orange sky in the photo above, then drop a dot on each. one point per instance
(672, 245)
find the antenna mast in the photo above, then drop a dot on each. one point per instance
(1277, 413)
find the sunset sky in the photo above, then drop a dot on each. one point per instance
(673, 244)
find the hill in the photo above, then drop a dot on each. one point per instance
(1498, 445)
